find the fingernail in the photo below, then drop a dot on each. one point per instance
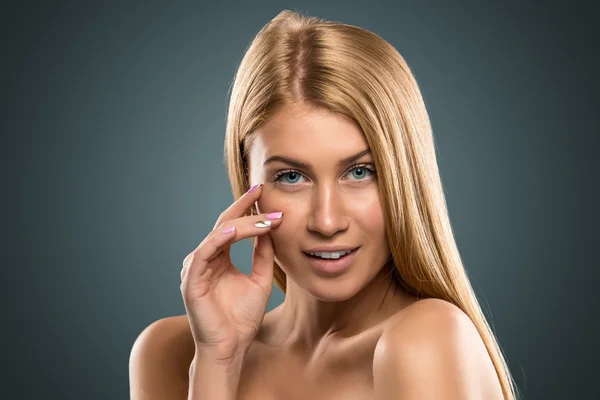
(253, 188)
(262, 224)
(230, 229)
(275, 215)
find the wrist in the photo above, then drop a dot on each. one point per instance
(214, 378)
(226, 363)
(225, 354)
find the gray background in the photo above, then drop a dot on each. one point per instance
(113, 119)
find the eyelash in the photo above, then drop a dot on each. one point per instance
(288, 171)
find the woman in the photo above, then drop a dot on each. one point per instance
(346, 210)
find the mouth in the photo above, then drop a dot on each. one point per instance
(330, 266)
(346, 252)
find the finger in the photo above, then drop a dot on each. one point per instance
(245, 227)
(210, 247)
(241, 205)
(222, 237)
(262, 262)
(187, 263)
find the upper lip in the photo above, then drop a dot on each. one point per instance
(330, 249)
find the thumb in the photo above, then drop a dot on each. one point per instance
(262, 261)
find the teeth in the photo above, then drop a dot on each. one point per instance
(335, 254)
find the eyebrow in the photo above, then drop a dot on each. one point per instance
(299, 164)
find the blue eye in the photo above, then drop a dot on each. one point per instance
(290, 173)
(359, 171)
(364, 170)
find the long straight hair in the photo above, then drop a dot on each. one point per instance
(355, 73)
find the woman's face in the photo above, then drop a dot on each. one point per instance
(325, 202)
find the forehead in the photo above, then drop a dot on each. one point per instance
(298, 130)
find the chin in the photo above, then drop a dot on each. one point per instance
(327, 289)
(330, 293)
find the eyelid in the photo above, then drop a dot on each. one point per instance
(367, 165)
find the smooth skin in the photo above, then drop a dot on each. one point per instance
(358, 335)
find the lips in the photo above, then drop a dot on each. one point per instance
(332, 266)
(330, 250)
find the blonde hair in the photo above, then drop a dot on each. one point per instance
(354, 72)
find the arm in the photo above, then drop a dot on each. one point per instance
(211, 380)
(434, 352)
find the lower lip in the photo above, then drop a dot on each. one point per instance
(332, 266)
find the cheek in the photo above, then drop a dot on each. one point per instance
(367, 212)
(270, 201)
(285, 236)
(293, 217)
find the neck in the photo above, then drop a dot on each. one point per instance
(305, 321)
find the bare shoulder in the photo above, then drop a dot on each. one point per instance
(426, 311)
(433, 350)
(163, 352)
(160, 359)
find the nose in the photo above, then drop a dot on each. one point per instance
(328, 211)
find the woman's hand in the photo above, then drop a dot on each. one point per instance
(224, 306)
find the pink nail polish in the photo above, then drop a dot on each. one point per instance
(253, 188)
(275, 215)
(229, 230)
